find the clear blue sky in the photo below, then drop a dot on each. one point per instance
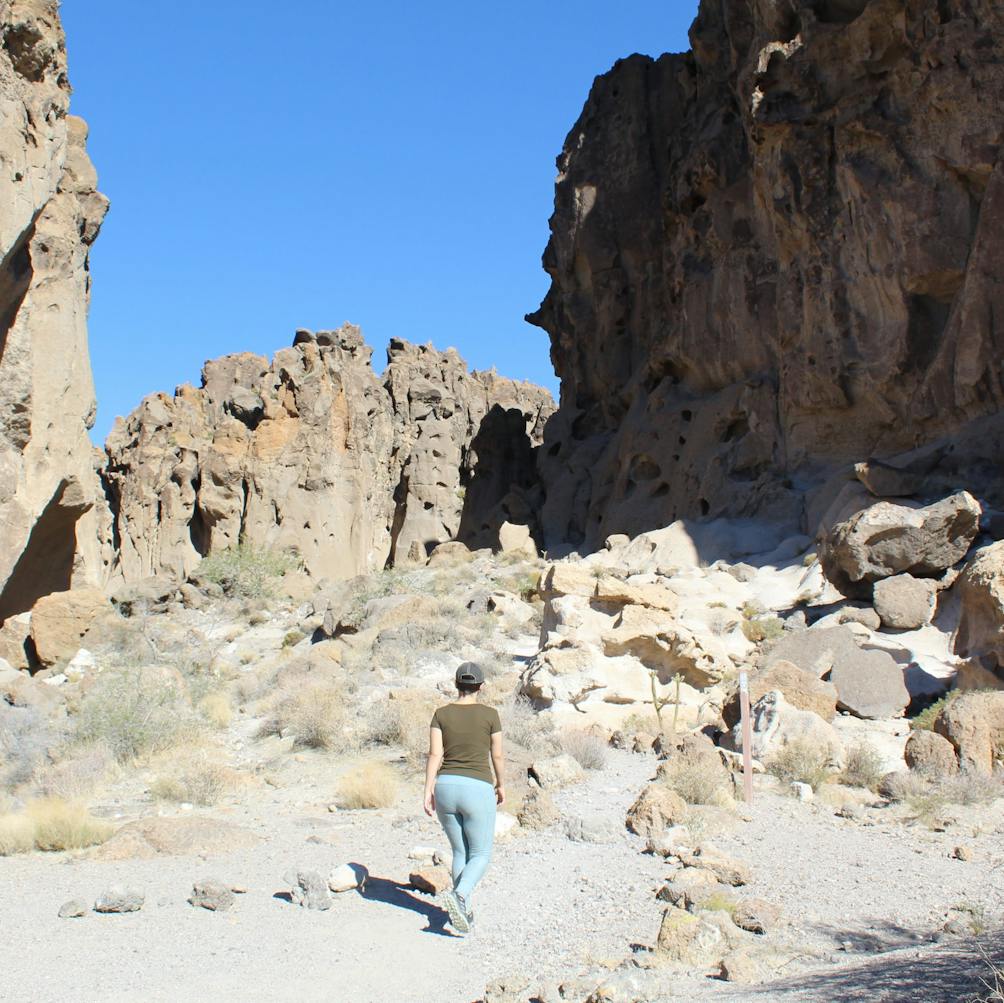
(278, 165)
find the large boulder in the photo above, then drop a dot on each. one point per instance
(776, 724)
(980, 589)
(929, 753)
(816, 650)
(802, 689)
(191, 835)
(887, 539)
(655, 810)
(974, 724)
(870, 685)
(60, 621)
(904, 602)
(666, 646)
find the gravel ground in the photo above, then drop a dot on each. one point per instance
(550, 908)
(546, 902)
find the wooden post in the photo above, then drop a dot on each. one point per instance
(747, 726)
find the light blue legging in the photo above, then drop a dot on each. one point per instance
(466, 811)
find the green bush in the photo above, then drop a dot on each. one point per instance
(246, 571)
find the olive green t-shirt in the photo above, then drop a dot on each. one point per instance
(467, 737)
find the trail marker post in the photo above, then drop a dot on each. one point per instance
(747, 726)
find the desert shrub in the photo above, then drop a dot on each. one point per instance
(25, 738)
(863, 768)
(926, 799)
(199, 781)
(527, 727)
(402, 723)
(370, 785)
(17, 834)
(646, 724)
(924, 721)
(588, 750)
(698, 779)
(317, 717)
(800, 762)
(65, 825)
(80, 772)
(293, 638)
(246, 571)
(216, 709)
(134, 714)
(766, 628)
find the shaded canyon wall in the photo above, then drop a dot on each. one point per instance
(772, 256)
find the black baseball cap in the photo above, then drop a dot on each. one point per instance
(470, 674)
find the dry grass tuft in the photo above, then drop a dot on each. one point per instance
(588, 750)
(17, 834)
(318, 717)
(65, 825)
(200, 781)
(217, 709)
(699, 781)
(863, 767)
(927, 799)
(370, 785)
(80, 773)
(527, 727)
(993, 981)
(801, 762)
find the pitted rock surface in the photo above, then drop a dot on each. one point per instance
(312, 453)
(774, 256)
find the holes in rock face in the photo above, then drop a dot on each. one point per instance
(676, 457)
(736, 429)
(811, 360)
(682, 440)
(427, 505)
(554, 450)
(839, 11)
(686, 415)
(944, 11)
(661, 491)
(705, 507)
(643, 468)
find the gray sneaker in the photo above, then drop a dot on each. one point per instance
(457, 909)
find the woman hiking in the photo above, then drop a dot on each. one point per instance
(463, 736)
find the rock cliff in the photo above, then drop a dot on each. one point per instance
(50, 213)
(313, 453)
(773, 256)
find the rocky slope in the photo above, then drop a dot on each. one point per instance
(50, 213)
(773, 256)
(312, 453)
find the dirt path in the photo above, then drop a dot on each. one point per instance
(548, 903)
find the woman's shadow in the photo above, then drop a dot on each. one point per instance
(396, 893)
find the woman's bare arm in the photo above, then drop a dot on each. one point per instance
(498, 764)
(432, 769)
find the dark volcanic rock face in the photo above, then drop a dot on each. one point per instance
(774, 255)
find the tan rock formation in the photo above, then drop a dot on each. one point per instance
(50, 213)
(312, 453)
(772, 257)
